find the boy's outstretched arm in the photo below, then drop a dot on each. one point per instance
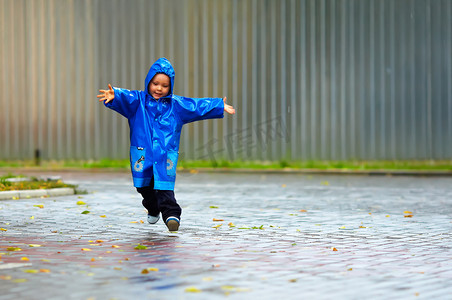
(227, 108)
(106, 95)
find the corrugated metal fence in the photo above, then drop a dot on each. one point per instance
(310, 79)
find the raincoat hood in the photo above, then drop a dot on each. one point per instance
(162, 65)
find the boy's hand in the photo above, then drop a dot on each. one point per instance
(228, 108)
(107, 95)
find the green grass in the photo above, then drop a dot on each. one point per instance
(421, 165)
(33, 184)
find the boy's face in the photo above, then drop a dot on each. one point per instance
(159, 86)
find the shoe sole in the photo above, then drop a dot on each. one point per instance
(172, 225)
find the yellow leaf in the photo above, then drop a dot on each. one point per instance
(350, 269)
(217, 226)
(343, 227)
(108, 252)
(34, 245)
(5, 277)
(3, 229)
(407, 212)
(24, 259)
(362, 227)
(387, 216)
(92, 259)
(303, 210)
(231, 224)
(103, 216)
(45, 260)
(31, 271)
(13, 249)
(44, 270)
(217, 220)
(192, 289)
(114, 246)
(39, 205)
(32, 217)
(80, 202)
(86, 249)
(19, 280)
(134, 222)
(117, 268)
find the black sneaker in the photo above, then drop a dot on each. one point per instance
(172, 223)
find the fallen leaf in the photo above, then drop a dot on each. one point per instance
(85, 212)
(213, 206)
(19, 280)
(362, 227)
(32, 217)
(303, 210)
(283, 185)
(147, 270)
(34, 245)
(24, 258)
(407, 212)
(343, 227)
(93, 259)
(13, 249)
(292, 280)
(3, 229)
(114, 246)
(387, 216)
(325, 183)
(231, 224)
(217, 220)
(86, 249)
(140, 247)
(99, 241)
(103, 216)
(141, 221)
(117, 268)
(350, 269)
(80, 202)
(39, 205)
(44, 270)
(192, 289)
(217, 226)
(5, 277)
(133, 222)
(31, 271)
(334, 249)
(408, 216)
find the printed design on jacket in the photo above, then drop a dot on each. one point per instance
(171, 163)
(138, 166)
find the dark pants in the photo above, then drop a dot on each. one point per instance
(156, 201)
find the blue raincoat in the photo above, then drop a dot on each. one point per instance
(155, 127)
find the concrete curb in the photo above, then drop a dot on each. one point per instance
(26, 194)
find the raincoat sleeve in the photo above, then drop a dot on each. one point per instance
(196, 109)
(125, 102)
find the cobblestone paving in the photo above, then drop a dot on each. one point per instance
(241, 237)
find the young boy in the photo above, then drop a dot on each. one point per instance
(156, 117)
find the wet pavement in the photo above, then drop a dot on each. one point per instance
(242, 236)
